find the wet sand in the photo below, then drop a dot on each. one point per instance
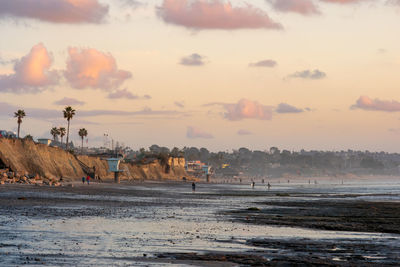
(157, 224)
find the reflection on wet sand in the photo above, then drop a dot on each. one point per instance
(159, 223)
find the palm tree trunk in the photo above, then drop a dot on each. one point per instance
(19, 126)
(82, 146)
(61, 141)
(67, 136)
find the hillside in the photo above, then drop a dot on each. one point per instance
(27, 157)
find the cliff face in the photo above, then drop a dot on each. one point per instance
(100, 165)
(173, 170)
(25, 156)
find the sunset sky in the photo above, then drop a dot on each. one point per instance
(312, 74)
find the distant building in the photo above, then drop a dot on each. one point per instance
(195, 168)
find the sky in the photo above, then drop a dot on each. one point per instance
(296, 74)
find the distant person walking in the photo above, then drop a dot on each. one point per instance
(253, 184)
(269, 186)
(193, 187)
(88, 179)
(83, 179)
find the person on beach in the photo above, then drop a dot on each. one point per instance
(88, 179)
(83, 179)
(269, 186)
(193, 187)
(253, 184)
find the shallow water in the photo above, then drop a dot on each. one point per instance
(99, 229)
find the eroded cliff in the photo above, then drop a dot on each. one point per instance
(27, 157)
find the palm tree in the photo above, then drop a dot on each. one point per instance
(19, 115)
(82, 133)
(62, 131)
(69, 112)
(54, 132)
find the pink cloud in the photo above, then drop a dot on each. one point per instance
(366, 103)
(90, 68)
(247, 109)
(56, 11)
(194, 132)
(67, 101)
(214, 14)
(31, 73)
(304, 7)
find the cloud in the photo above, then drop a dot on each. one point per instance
(366, 103)
(394, 2)
(343, 1)
(41, 113)
(192, 60)
(244, 132)
(268, 63)
(303, 7)
(286, 108)
(131, 3)
(214, 14)
(308, 74)
(124, 93)
(66, 101)
(55, 11)
(7, 62)
(194, 132)
(144, 112)
(179, 104)
(245, 109)
(31, 73)
(90, 68)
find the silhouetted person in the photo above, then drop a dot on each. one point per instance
(193, 187)
(269, 186)
(83, 179)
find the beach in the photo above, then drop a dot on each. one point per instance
(159, 223)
